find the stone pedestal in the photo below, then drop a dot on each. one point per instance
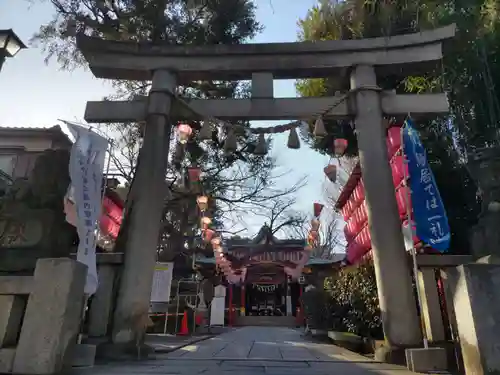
(52, 320)
(426, 359)
(484, 165)
(476, 303)
(431, 308)
(83, 355)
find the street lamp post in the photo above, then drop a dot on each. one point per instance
(10, 45)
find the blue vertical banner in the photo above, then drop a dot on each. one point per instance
(429, 213)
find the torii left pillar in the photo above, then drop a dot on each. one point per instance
(144, 214)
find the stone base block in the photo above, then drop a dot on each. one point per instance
(123, 351)
(319, 332)
(6, 360)
(392, 355)
(83, 355)
(426, 359)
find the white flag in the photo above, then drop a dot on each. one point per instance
(86, 172)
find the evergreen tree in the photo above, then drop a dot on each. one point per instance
(447, 138)
(235, 182)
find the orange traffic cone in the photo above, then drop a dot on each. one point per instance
(184, 325)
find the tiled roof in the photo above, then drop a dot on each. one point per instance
(31, 128)
(55, 130)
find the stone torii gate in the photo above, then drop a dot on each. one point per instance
(167, 66)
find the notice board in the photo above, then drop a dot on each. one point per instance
(162, 282)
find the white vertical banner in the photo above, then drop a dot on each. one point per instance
(86, 167)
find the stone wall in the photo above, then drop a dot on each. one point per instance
(40, 317)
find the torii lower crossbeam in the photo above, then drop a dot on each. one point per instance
(266, 109)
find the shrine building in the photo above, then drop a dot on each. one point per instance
(271, 274)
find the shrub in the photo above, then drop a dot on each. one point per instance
(318, 308)
(353, 292)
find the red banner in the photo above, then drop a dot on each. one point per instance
(111, 218)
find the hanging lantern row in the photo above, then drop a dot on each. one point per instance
(331, 172)
(202, 202)
(313, 235)
(313, 238)
(339, 146)
(207, 235)
(331, 169)
(315, 224)
(185, 132)
(317, 208)
(231, 142)
(194, 174)
(205, 221)
(319, 128)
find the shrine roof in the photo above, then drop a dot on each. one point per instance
(351, 183)
(336, 258)
(264, 237)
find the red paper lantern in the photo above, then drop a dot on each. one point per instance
(331, 172)
(205, 221)
(202, 202)
(216, 243)
(194, 174)
(340, 145)
(184, 133)
(317, 207)
(393, 140)
(315, 224)
(207, 235)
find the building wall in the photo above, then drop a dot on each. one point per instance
(19, 148)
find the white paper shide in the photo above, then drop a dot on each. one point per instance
(86, 168)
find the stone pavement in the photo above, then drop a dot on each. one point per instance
(169, 343)
(253, 350)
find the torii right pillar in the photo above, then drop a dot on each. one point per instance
(397, 301)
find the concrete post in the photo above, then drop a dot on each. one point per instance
(397, 302)
(52, 320)
(146, 197)
(476, 303)
(102, 302)
(11, 315)
(431, 308)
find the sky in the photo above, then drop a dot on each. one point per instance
(34, 94)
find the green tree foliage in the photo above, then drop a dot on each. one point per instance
(467, 74)
(234, 181)
(347, 303)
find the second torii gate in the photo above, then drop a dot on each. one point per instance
(360, 60)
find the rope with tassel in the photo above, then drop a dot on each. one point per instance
(231, 144)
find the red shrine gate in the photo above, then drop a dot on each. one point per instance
(267, 295)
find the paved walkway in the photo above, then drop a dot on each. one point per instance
(251, 351)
